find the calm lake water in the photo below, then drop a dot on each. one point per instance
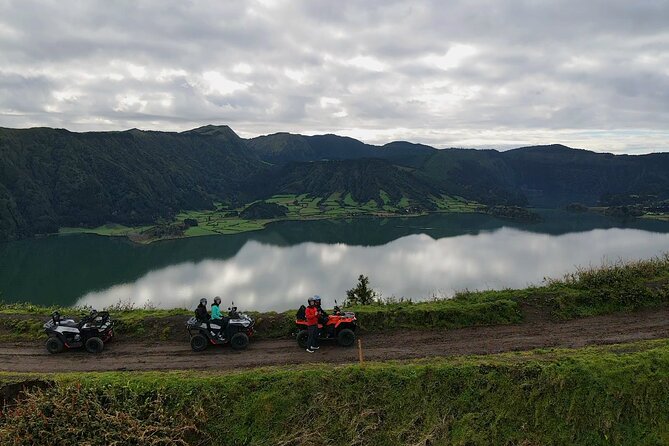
(276, 269)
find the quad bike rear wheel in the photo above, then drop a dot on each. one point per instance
(54, 345)
(94, 345)
(302, 338)
(346, 337)
(198, 343)
(239, 341)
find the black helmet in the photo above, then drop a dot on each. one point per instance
(310, 300)
(203, 301)
(217, 300)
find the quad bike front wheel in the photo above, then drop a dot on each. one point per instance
(346, 337)
(239, 341)
(94, 345)
(302, 338)
(198, 343)
(54, 345)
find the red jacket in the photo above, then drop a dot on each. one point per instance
(311, 314)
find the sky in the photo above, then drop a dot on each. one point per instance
(497, 74)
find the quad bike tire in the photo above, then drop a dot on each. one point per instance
(94, 345)
(346, 337)
(239, 341)
(302, 338)
(198, 343)
(54, 345)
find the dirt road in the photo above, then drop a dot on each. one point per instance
(124, 355)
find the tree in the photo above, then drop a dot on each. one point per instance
(362, 294)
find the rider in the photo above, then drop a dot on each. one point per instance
(216, 315)
(202, 314)
(322, 315)
(311, 314)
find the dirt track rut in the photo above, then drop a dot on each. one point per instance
(397, 345)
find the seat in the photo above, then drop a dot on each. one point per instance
(67, 323)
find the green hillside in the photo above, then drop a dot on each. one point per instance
(555, 175)
(481, 175)
(365, 180)
(283, 148)
(53, 178)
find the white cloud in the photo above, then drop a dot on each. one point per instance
(454, 57)
(215, 82)
(473, 72)
(137, 71)
(243, 68)
(367, 63)
(327, 102)
(130, 103)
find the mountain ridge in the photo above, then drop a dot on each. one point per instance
(51, 178)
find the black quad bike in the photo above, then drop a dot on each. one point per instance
(91, 332)
(339, 326)
(236, 330)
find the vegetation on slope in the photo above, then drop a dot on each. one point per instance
(593, 396)
(263, 210)
(255, 216)
(364, 180)
(54, 178)
(51, 178)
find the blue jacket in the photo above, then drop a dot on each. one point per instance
(216, 312)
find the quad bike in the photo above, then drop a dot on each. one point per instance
(339, 326)
(236, 330)
(91, 332)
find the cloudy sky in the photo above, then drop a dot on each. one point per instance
(470, 73)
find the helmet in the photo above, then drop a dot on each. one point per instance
(310, 301)
(203, 301)
(217, 300)
(316, 299)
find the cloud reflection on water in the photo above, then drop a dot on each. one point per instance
(267, 277)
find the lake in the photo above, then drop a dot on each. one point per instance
(277, 268)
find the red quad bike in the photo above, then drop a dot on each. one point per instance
(339, 326)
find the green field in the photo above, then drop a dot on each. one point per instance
(655, 216)
(591, 396)
(223, 220)
(106, 230)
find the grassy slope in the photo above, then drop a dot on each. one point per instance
(300, 207)
(620, 287)
(591, 396)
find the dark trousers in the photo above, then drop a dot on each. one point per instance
(312, 341)
(220, 323)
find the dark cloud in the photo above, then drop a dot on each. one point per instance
(462, 73)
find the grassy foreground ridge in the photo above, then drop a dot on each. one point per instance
(585, 292)
(592, 396)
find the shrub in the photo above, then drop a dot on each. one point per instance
(362, 294)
